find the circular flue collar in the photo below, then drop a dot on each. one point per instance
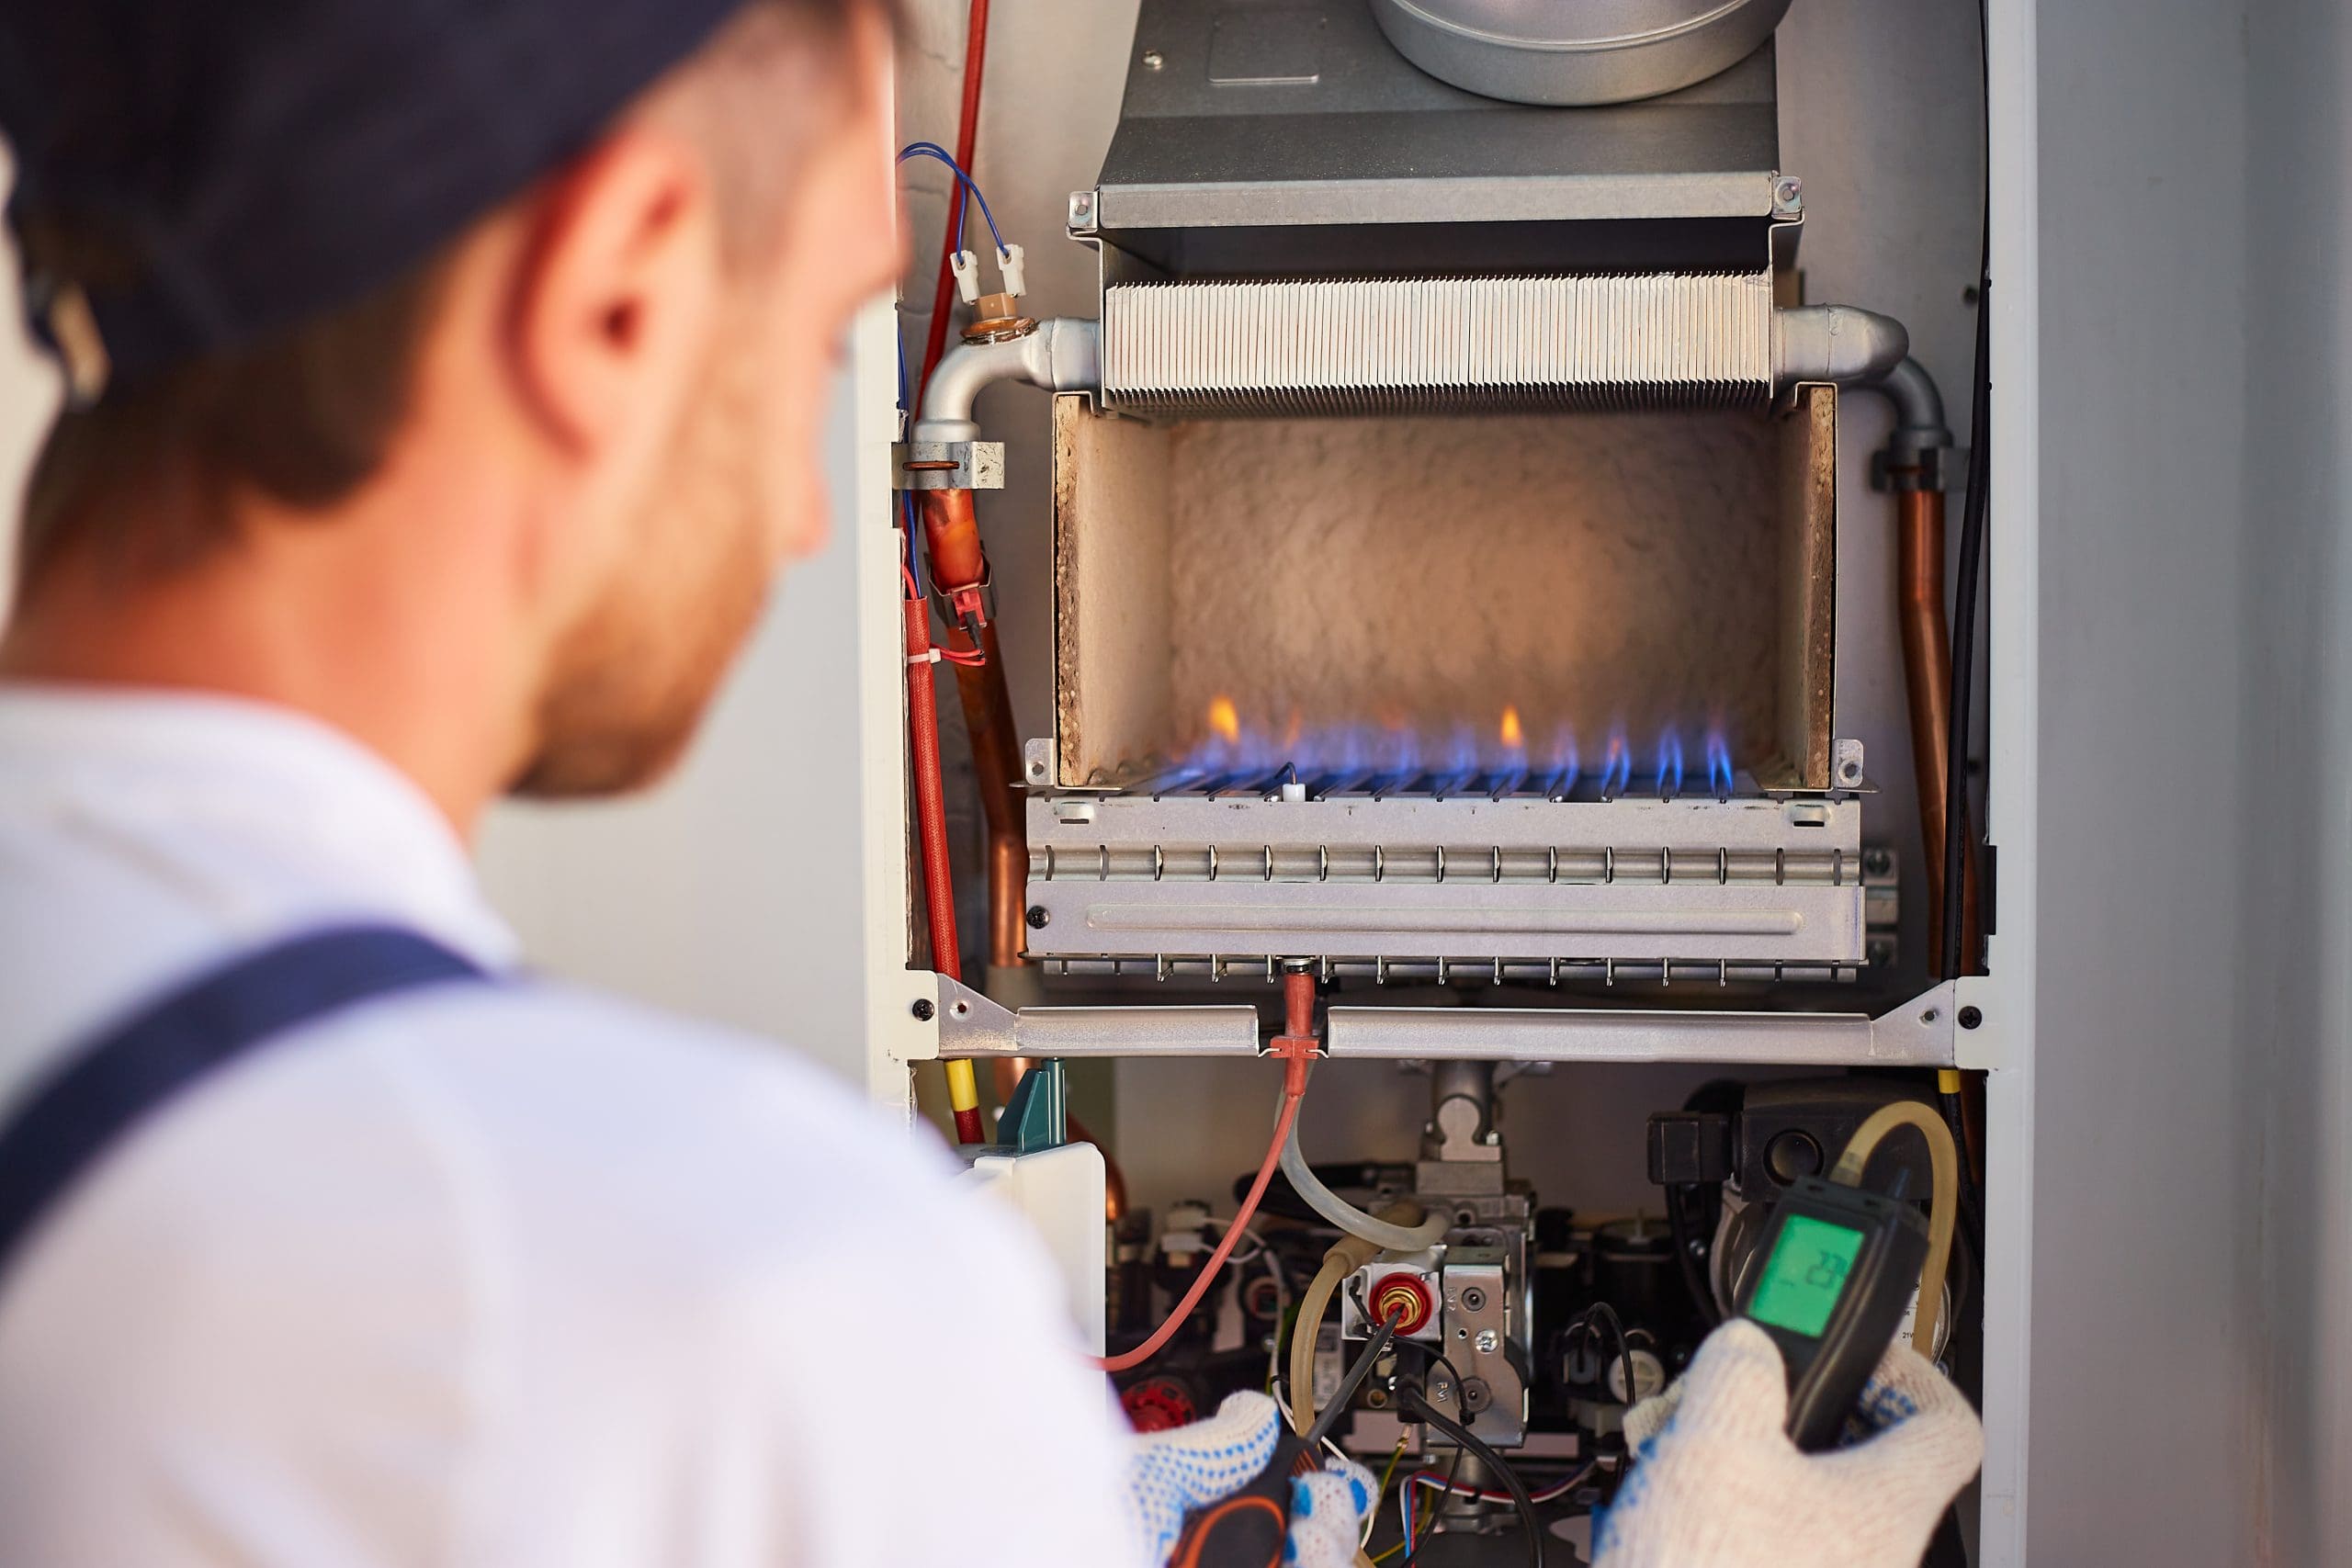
(1576, 51)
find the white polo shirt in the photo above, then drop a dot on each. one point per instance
(505, 1274)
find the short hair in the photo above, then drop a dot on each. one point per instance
(146, 475)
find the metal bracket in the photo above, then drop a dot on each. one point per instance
(1919, 1034)
(947, 465)
(972, 1025)
(1846, 767)
(1037, 763)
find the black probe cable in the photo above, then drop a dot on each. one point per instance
(1435, 1353)
(1420, 1408)
(1353, 1381)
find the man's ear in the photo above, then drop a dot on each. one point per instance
(618, 289)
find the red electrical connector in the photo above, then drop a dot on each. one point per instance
(1405, 1297)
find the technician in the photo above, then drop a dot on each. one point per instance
(446, 380)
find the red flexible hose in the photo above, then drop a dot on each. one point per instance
(1296, 1045)
(967, 135)
(1144, 1352)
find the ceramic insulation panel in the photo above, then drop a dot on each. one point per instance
(1610, 579)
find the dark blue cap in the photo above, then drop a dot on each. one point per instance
(257, 161)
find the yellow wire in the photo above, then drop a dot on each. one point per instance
(1381, 1492)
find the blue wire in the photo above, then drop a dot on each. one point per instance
(932, 150)
(914, 558)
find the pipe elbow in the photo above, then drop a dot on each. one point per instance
(1836, 342)
(1064, 354)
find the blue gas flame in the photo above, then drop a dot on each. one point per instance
(1616, 766)
(1669, 762)
(1565, 767)
(1719, 773)
(1392, 757)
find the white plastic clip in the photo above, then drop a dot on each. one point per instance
(1011, 263)
(968, 275)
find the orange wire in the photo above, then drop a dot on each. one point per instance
(1294, 1090)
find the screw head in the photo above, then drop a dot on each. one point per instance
(1877, 861)
(1487, 1340)
(922, 1009)
(1152, 60)
(1037, 918)
(1787, 192)
(1969, 1018)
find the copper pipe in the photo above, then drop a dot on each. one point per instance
(1927, 667)
(952, 536)
(996, 761)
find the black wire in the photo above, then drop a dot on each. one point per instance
(1972, 554)
(1603, 1311)
(1415, 1405)
(1972, 1199)
(1685, 1236)
(1442, 1359)
(1353, 1380)
(1434, 1352)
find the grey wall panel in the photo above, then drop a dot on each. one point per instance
(2139, 1332)
(2294, 1082)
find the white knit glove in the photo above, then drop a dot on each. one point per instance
(1718, 1484)
(1172, 1472)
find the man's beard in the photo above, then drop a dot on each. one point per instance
(630, 680)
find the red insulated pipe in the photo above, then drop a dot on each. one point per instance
(930, 821)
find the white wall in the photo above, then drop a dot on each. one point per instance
(732, 891)
(2293, 1061)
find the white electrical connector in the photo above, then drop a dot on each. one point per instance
(1011, 262)
(966, 266)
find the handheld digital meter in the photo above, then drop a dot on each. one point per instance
(1840, 1266)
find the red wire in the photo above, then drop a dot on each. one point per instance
(1293, 1089)
(931, 809)
(968, 134)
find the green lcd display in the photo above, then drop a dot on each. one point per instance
(1805, 1275)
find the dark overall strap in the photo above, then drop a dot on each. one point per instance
(106, 1087)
